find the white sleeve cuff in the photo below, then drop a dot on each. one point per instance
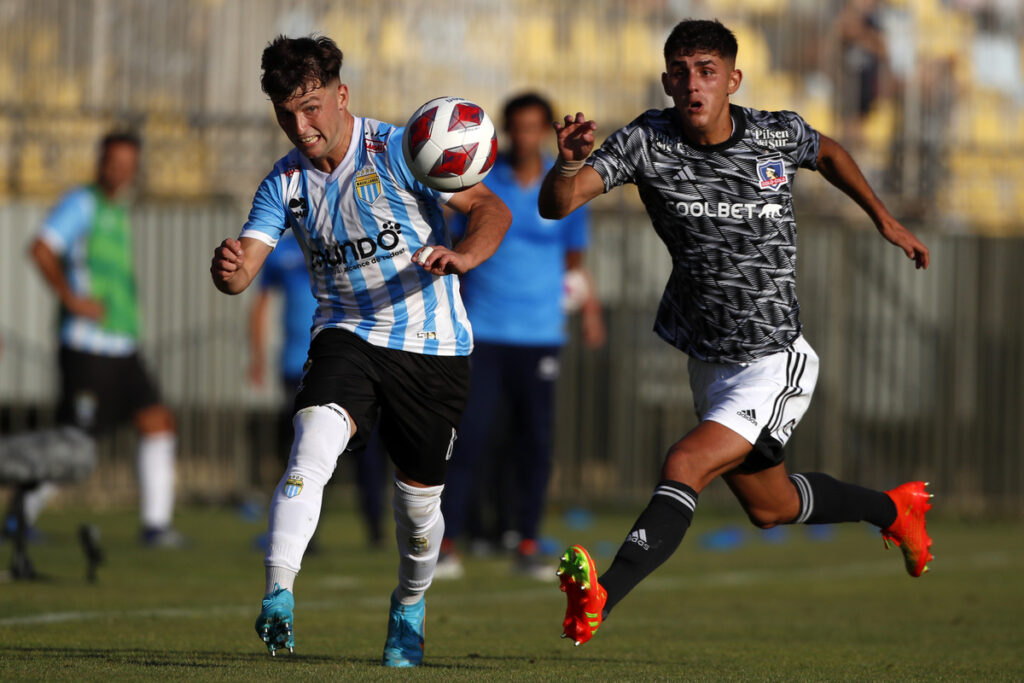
(53, 240)
(261, 236)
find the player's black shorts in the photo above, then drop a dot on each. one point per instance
(98, 393)
(418, 399)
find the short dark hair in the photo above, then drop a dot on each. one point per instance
(701, 35)
(120, 137)
(298, 64)
(525, 101)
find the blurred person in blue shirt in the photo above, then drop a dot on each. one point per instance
(517, 302)
(285, 272)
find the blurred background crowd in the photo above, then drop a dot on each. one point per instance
(927, 94)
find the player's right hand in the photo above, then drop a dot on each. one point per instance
(84, 307)
(575, 137)
(228, 259)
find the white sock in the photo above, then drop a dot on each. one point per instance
(419, 528)
(36, 499)
(321, 434)
(155, 460)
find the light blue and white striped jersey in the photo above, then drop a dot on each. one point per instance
(358, 228)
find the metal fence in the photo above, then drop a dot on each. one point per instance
(921, 372)
(943, 133)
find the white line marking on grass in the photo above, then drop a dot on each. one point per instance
(719, 579)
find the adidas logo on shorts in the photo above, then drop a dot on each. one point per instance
(638, 536)
(748, 415)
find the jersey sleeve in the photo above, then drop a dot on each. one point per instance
(617, 160)
(806, 140)
(267, 220)
(576, 229)
(68, 220)
(402, 174)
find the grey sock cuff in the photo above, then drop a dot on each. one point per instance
(285, 578)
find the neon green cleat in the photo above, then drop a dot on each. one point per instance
(577, 574)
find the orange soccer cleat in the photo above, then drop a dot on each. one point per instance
(908, 531)
(578, 577)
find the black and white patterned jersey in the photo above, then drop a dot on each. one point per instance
(725, 212)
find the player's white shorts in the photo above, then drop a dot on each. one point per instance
(762, 401)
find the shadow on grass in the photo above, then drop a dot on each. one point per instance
(191, 658)
(196, 659)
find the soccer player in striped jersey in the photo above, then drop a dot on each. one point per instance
(390, 337)
(716, 181)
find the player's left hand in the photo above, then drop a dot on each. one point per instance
(439, 260)
(592, 325)
(914, 248)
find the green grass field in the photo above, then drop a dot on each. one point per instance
(779, 607)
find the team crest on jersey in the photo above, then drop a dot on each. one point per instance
(293, 486)
(368, 186)
(771, 173)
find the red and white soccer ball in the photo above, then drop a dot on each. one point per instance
(450, 144)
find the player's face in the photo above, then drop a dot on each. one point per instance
(527, 130)
(118, 167)
(700, 85)
(317, 122)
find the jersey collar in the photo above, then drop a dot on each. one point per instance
(739, 129)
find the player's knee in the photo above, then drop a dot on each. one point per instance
(766, 517)
(321, 434)
(156, 419)
(683, 464)
(417, 509)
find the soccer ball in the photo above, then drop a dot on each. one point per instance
(450, 144)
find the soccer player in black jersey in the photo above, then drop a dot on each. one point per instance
(716, 181)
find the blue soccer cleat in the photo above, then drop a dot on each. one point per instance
(404, 646)
(274, 624)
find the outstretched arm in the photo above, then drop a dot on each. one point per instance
(487, 220)
(236, 263)
(570, 184)
(839, 168)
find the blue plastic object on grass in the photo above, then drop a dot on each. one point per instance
(547, 545)
(726, 538)
(579, 519)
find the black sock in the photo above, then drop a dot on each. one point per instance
(657, 533)
(824, 500)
